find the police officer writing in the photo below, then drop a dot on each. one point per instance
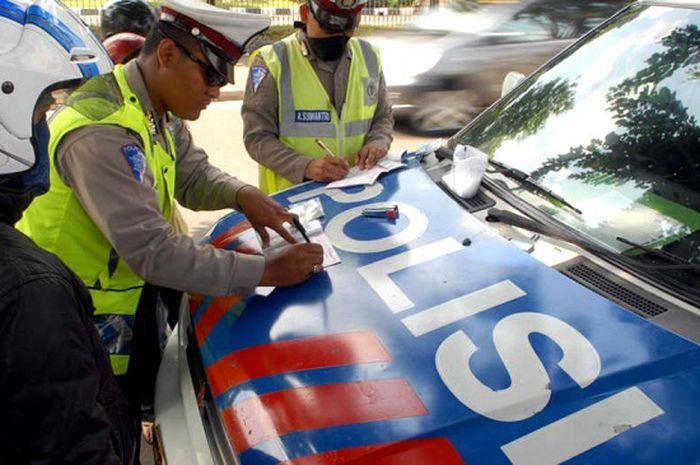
(59, 401)
(116, 170)
(319, 83)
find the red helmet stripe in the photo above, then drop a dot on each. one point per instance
(218, 39)
(330, 5)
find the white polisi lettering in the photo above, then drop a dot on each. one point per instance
(462, 307)
(418, 224)
(529, 391)
(339, 196)
(377, 273)
(583, 430)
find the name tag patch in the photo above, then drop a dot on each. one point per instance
(312, 116)
(136, 159)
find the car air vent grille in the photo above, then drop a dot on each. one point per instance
(479, 202)
(612, 287)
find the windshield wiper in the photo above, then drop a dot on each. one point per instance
(513, 219)
(679, 263)
(528, 182)
(508, 217)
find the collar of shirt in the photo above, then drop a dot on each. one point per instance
(138, 86)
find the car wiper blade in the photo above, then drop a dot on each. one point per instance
(530, 183)
(513, 219)
(508, 217)
(679, 263)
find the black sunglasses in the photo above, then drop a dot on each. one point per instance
(213, 76)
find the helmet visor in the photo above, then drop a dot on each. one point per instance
(53, 97)
(334, 21)
(96, 98)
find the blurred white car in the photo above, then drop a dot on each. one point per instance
(447, 66)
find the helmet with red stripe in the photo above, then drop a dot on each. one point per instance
(222, 34)
(337, 15)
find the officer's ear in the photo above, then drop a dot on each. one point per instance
(166, 52)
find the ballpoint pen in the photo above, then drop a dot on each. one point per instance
(324, 147)
(300, 228)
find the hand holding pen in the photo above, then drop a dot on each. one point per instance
(326, 169)
(300, 228)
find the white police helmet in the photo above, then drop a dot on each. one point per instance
(44, 46)
(222, 34)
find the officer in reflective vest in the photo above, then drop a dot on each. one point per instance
(323, 84)
(116, 169)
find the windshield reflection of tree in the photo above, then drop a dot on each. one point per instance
(567, 20)
(657, 142)
(534, 108)
(655, 131)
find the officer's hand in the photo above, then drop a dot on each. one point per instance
(327, 169)
(263, 211)
(291, 264)
(369, 155)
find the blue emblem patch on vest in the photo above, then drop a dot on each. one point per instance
(136, 159)
(257, 74)
(312, 116)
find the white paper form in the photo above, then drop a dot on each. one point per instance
(360, 177)
(315, 234)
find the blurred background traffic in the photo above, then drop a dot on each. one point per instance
(444, 61)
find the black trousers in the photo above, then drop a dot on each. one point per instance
(157, 308)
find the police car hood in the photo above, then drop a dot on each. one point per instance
(424, 347)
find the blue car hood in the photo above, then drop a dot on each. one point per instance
(424, 347)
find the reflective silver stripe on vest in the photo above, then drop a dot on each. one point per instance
(288, 127)
(356, 128)
(370, 58)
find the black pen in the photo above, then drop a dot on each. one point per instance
(300, 228)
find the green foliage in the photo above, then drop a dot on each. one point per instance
(656, 132)
(535, 108)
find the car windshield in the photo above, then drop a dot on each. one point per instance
(613, 127)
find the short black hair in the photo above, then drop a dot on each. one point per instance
(135, 16)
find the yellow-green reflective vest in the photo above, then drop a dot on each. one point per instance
(57, 222)
(306, 112)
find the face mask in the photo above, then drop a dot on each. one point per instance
(18, 190)
(329, 48)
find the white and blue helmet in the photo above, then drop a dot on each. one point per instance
(44, 46)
